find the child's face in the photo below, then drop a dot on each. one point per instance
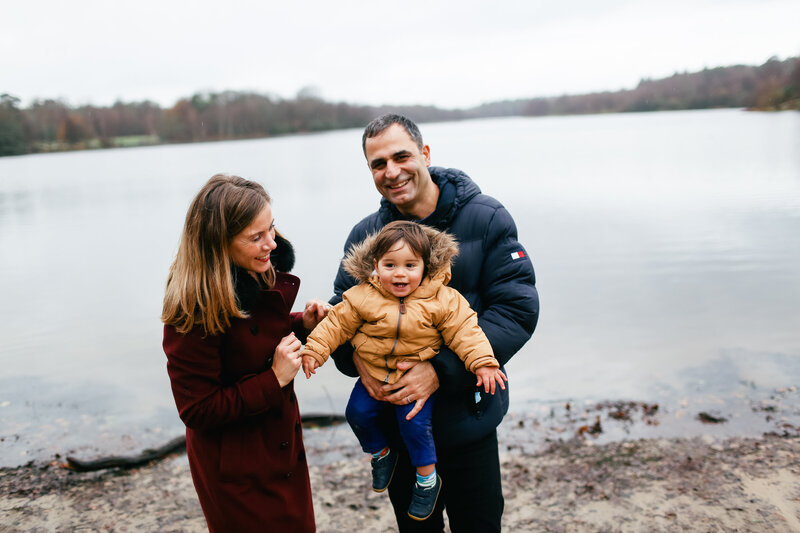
(400, 270)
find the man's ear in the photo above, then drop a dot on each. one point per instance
(426, 153)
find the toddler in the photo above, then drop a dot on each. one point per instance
(402, 310)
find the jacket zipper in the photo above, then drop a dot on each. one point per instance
(396, 338)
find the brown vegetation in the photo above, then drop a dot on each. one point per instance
(53, 125)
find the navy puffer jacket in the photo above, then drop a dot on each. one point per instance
(493, 272)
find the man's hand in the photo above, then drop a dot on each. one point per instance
(417, 384)
(374, 387)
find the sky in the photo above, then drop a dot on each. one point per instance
(451, 54)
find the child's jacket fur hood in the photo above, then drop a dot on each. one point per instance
(359, 262)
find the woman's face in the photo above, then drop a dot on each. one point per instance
(250, 249)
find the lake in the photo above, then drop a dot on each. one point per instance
(665, 245)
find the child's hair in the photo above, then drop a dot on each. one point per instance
(401, 230)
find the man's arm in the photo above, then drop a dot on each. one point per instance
(511, 301)
(509, 307)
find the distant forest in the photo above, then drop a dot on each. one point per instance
(51, 125)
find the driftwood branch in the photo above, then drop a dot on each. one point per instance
(176, 445)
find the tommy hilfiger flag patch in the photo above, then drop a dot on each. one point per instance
(517, 255)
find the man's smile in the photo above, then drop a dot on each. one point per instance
(398, 185)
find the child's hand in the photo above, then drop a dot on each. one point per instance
(488, 376)
(309, 365)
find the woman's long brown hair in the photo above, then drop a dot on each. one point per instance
(200, 289)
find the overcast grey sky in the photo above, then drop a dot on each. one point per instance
(451, 54)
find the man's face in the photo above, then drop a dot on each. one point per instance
(399, 168)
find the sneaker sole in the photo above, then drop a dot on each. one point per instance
(420, 519)
(390, 479)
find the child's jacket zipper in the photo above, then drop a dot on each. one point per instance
(396, 339)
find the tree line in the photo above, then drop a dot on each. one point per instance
(48, 125)
(773, 86)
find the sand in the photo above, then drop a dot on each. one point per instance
(611, 466)
(679, 484)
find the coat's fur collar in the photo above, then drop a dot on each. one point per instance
(359, 261)
(282, 257)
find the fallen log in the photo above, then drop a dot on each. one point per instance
(320, 420)
(176, 445)
(127, 461)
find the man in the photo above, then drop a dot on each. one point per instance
(494, 273)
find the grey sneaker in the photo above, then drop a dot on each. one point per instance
(423, 500)
(383, 470)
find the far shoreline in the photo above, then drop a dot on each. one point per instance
(125, 142)
(228, 115)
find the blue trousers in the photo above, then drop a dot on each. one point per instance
(363, 413)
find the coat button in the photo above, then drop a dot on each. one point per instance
(284, 445)
(297, 427)
(254, 330)
(287, 475)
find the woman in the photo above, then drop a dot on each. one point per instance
(233, 349)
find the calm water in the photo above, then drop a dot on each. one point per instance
(666, 249)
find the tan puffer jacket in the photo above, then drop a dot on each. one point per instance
(382, 335)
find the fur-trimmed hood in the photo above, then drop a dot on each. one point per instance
(359, 262)
(384, 329)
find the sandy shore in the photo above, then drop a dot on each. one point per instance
(611, 466)
(697, 484)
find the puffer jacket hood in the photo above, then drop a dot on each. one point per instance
(456, 190)
(359, 262)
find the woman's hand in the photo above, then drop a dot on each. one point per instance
(310, 365)
(286, 361)
(488, 376)
(313, 313)
(417, 384)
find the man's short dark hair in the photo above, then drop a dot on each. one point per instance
(382, 123)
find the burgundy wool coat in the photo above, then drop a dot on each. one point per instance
(243, 434)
